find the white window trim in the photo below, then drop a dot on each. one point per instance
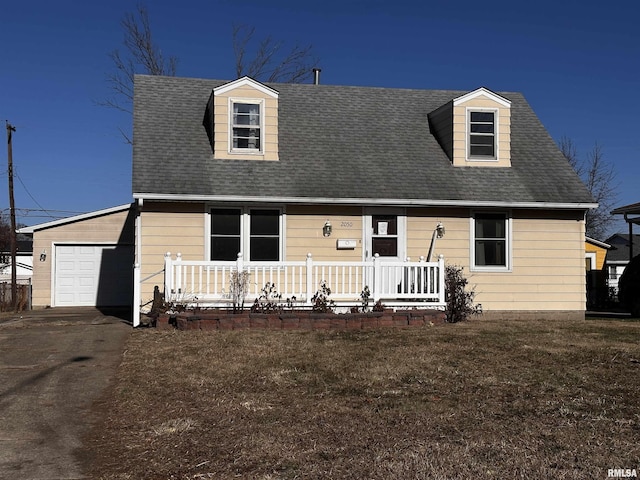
(245, 228)
(508, 247)
(246, 151)
(496, 114)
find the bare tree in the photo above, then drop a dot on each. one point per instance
(264, 60)
(141, 55)
(267, 61)
(599, 176)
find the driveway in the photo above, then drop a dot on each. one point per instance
(54, 364)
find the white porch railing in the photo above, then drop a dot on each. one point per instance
(395, 283)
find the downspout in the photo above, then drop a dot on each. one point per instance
(137, 265)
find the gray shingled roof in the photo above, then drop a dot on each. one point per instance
(339, 142)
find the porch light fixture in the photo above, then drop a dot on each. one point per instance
(43, 256)
(326, 230)
(437, 233)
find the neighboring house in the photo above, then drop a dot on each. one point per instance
(348, 174)
(85, 260)
(597, 285)
(618, 257)
(24, 261)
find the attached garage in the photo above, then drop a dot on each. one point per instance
(86, 260)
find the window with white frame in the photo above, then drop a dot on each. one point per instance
(256, 231)
(482, 134)
(490, 242)
(246, 126)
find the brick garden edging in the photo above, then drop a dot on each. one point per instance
(221, 320)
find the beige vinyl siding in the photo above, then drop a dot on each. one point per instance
(547, 259)
(113, 228)
(173, 227)
(547, 266)
(460, 134)
(304, 232)
(268, 133)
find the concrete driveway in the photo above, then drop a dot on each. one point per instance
(54, 364)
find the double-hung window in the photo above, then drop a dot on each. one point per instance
(482, 134)
(246, 125)
(491, 242)
(254, 232)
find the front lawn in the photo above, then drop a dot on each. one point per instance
(478, 400)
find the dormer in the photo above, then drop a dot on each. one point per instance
(474, 130)
(241, 120)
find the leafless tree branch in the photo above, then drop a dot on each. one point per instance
(599, 176)
(270, 63)
(141, 55)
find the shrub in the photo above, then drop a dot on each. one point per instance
(238, 286)
(271, 300)
(459, 300)
(320, 300)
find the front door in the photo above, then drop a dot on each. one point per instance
(385, 234)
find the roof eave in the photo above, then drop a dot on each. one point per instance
(366, 201)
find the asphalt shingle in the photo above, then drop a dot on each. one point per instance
(339, 142)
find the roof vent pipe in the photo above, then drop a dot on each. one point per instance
(316, 76)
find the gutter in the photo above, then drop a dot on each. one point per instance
(365, 201)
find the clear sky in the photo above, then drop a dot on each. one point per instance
(576, 62)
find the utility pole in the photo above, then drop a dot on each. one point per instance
(12, 211)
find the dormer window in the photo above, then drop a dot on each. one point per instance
(246, 126)
(474, 130)
(482, 134)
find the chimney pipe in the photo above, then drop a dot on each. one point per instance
(316, 76)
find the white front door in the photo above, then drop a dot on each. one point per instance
(385, 235)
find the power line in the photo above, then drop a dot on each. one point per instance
(31, 196)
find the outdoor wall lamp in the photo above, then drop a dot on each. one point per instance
(43, 256)
(440, 230)
(326, 230)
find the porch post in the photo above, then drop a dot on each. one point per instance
(441, 284)
(377, 278)
(136, 295)
(177, 275)
(239, 262)
(168, 277)
(309, 268)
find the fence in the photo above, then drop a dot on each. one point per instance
(23, 297)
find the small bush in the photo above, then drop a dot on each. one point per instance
(459, 300)
(238, 288)
(270, 300)
(320, 300)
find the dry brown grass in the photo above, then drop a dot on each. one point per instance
(492, 400)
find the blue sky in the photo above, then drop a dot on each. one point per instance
(576, 62)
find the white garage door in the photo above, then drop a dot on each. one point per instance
(93, 275)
